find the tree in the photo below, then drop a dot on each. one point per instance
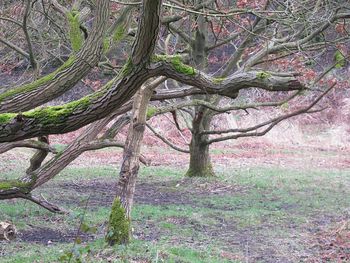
(205, 108)
(250, 36)
(21, 120)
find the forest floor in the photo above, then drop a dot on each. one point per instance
(267, 204)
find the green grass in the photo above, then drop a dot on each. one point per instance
(86, 173)
(268, 204)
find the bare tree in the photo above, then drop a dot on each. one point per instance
(272, 33)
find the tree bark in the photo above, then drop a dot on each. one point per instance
(119, 231)
(39, 156)
(200, 163)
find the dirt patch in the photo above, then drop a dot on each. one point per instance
(103, 193)
(256, 246)
(174, 192)
(49, 236)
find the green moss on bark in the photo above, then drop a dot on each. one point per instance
(7, 117)
(35, 84)
(10, 184)
(106, 44)
(263, 75)
(204, 172)
(75, 35)
(118, 231)
(218, 80)
(58, 114)
(119, 33)
(151, 111)
(176, 63)
(127, 68)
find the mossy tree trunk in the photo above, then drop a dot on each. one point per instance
(119, 231)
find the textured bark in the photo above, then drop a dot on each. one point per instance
(231, 85)
(130, 166)
(200, 163)
(39, 156)
(22, 99)
(4, 147)
(148, 28)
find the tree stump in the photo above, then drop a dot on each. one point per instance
(7, 231)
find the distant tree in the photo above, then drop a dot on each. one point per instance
(265, 36)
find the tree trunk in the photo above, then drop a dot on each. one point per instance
(119, 230)
(200, 163)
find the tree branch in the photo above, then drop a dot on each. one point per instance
(4, 147)
(44, 203)
(229, 86)
(247, 132)
(33, 61)
(14, 47)
(166, 141)
(34, 94)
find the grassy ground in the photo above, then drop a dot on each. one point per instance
(265, 213)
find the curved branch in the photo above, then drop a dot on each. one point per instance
(40, 155)
(33, 61)
(14, 47)
(213, 107)
(105, 143)
(44, 203)
(4, 147)
(166, 141)
(34, 94)
(148, 27)
(229, 86)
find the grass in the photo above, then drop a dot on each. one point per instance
(269, 214)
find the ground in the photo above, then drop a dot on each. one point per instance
(267, 204)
